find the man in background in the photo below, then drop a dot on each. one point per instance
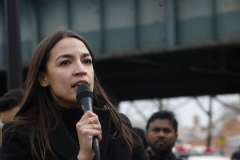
(161, 135)
(9, 104)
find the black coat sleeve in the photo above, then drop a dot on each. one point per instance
(14, 145)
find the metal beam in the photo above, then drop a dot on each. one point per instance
(69, 14)
(171, 23)
(214, 23)
(137, 19)
(102, 27)
(36, 6)
(14, 66)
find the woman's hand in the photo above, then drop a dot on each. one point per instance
(88, 127)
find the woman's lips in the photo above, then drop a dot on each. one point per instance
(80, 82)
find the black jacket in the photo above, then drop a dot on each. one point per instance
(16, 146)
(169, 156)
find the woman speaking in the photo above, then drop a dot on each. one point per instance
(51, 124)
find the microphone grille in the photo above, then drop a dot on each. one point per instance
(83, 90)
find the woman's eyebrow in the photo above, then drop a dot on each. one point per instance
(71, 56)
(64, 56)
(86, 54)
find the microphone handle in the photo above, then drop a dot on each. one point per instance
(87, 106)
(95, 145)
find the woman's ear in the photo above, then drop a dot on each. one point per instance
(42, 80)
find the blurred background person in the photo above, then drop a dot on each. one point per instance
(9, 104)
(161, 135)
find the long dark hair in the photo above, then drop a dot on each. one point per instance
(38, 109)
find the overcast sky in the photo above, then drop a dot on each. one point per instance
(185, 108)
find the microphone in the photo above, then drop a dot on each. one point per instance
(84, 97)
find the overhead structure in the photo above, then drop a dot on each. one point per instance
(144, 49)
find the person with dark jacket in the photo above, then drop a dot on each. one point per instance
(9, 104)
(161, 135)
(51, 124)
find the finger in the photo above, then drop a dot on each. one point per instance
(81, 126)
(91, 120)
(90, 126)
(88, 114)
(91, 133)
(88, 120)
(98, 135)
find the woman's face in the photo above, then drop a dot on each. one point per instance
(69, 64)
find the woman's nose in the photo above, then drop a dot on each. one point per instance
(80, 70)
(80, 73)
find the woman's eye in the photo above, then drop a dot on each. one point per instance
(63, 63)
(87, 61)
